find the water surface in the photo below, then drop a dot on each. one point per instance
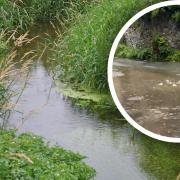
(150, 93)
(41, 109)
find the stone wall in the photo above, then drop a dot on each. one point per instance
(141, 33)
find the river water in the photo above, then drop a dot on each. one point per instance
(150, 93)
(41, 109)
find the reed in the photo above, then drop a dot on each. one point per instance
(21, 14)
(12, 68)
(83, 52)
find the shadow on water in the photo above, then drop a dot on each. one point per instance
(108, 144)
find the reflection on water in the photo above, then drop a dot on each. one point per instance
(107, 144)
(150, 93)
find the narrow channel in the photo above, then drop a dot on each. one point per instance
(44, 111)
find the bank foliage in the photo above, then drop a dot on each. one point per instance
(159, 47)
(28, 157)
(83, 52)
(21, 14)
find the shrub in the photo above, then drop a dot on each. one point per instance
(160, 48)
(175, 56)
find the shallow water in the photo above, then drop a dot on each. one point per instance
(150, 93)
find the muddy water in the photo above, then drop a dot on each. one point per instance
(150, 93)
(107, 143)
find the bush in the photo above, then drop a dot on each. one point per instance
(23, 13)
(160, 48)
(28, 157)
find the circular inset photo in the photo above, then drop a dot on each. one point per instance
(144, 71)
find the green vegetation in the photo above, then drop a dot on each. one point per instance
(175, 56)
(160, 51)
(23, 13)
(133, 53)
(28, 157)
(160, 159)
(96, 102)
(171, 12)
(160, 48)
(83, 52)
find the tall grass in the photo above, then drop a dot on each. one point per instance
(22, 13)
(83, 52)
(11, 70)
(16, 16)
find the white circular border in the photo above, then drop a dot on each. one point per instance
(110, 70)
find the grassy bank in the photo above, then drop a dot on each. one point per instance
(83, 51)
(28, 157)
(167, 53)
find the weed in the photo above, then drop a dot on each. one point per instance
(28, 157)
(160, 48)
(20, 14)
(84, 51)
(133, 53)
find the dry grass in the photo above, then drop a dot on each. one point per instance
(12, 68)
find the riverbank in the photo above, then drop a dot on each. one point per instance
(83, 51)
(28, 156)
(16, 18)
(153, 37)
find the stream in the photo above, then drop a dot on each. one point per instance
(149, 92)
(42, 110)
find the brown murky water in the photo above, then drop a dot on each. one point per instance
(150, 93)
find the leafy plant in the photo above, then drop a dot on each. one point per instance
(175, 56)
(28, 157)
(133, 53)
(176, 16)
(160, 48)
